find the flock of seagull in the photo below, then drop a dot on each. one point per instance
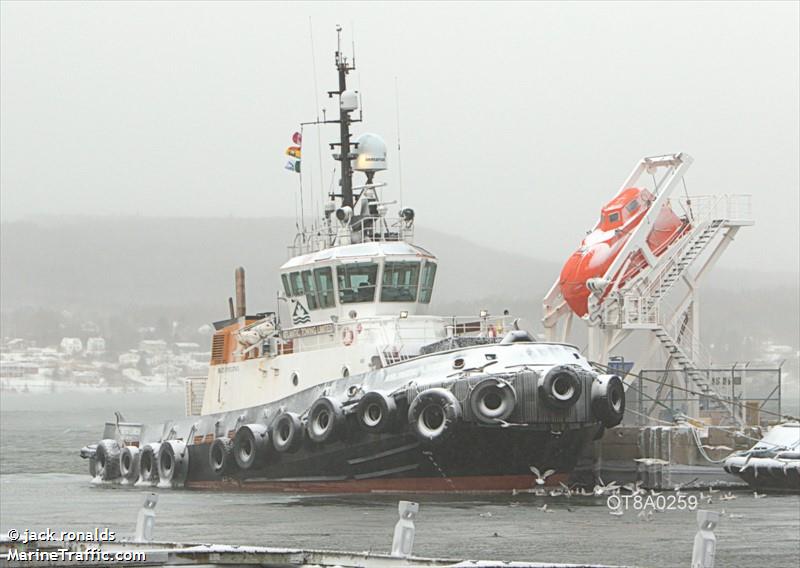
(631, 489)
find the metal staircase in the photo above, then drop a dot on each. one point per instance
(687, 364)
(688, 254)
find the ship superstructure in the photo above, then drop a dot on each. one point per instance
(353, 386)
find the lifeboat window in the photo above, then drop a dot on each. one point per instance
(613, 217)
(310, 289)
(400, 282)
(286, 288)
(297, 284)
(632, 206)
(357, 282)
(324, 280)
(426, 284)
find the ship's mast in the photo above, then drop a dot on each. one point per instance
(343, 67)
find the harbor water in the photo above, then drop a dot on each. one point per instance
(44, 484)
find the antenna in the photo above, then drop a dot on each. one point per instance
(316, 102)
(399, 158)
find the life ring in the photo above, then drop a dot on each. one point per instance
(148, 469)
(561, 388)
(287, 433)
(173, 462)
(376, 412)
(107, 459)
(434, 415)
(251, 446)
(347, 337)
(492, 400)
(220, 456)
(129, 463)
(608, 399)
(325, 418)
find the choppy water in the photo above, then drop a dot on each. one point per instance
(43, 483)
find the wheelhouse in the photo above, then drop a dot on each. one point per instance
(370, 279)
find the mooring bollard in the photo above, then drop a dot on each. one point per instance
(705, 542)
(403, 541)
(146, 520)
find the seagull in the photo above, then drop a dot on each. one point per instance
(646, 515)
(733, 516)
(544, 509)
(541, 477)
(565, 487)
(633, 488)
(651, 461)
(727, 497)
(485, 515)
(603, 489)
(757, 495)
(618, 512)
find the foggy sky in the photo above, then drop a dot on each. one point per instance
(517, 121)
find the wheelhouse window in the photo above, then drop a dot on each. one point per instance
(426, 283)
(323, 277)
(400, 282)
(296, 283)
(286, 288)
(357, 282)
(310, 290)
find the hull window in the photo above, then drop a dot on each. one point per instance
(357, 282)
(426, 286)
(400, 281)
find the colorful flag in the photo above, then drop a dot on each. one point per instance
(293, 166)
(297, 138)
(293, 151)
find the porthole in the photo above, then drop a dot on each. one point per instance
(458, 363)
(295, 379)
(345, 371)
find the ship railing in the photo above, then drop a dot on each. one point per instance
(735, 209)
(404, 335)
(369, 229)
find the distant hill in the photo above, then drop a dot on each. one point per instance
(117, 264)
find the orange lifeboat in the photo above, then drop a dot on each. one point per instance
(598, 250)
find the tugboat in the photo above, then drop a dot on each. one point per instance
(353, 387)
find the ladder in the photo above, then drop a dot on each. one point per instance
(690, 252)
(684, 361)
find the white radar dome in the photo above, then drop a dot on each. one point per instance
(371, 153)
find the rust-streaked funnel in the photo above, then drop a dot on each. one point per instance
(241, 302)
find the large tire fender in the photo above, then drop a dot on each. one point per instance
(608, 399)
(434, 415)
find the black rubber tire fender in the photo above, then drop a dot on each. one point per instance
(287, 433)
(148, 463)
(434, 415)
(107, 459)
(251, 446)
(325, 420)
(376, 412)
(608, 399)
(560, 388)
(129, 463)
(220, 456)
(492, 400)
(173, 462)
